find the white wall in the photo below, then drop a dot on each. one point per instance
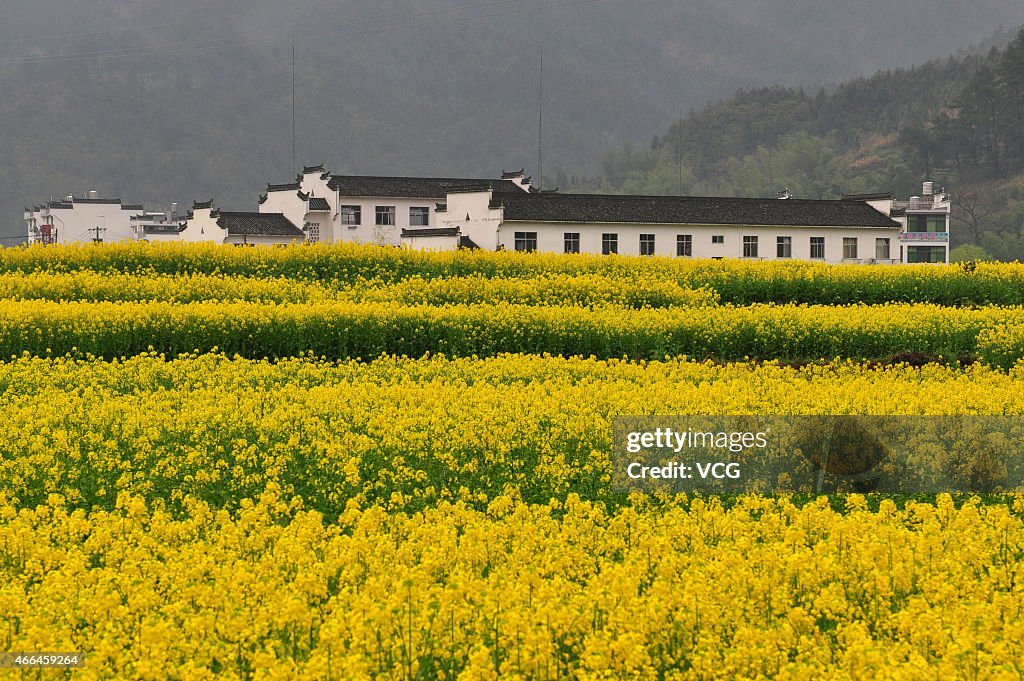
(77, 224)
(203, 227)
(368, 232)
(287, 202)
(431, 243)
(484, 223)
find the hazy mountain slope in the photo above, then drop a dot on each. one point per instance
(956, 121)
(397, 86)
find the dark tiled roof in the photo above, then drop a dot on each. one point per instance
(466, 242)
(199, 205)
(508, 175)
(291, 187)
(59, 204)
(689, 210)
(306, 170)
(319, 203)
(162, 228)
(414, 187)
(431, 231)
(132, 206)
(257, 224)
(867, 197)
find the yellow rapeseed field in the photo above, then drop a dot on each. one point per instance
(518, 591)
(341, 462)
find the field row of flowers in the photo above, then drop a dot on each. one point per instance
(517, 591)
(403, 433)
(581, 290)
(347, 329)
(734, 281)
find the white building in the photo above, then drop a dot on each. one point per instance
(830, 231)
(78, 220)
(209, 224)
(925, 220)
(370, 208)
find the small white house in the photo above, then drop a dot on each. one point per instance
(206, 223)
(81, 219)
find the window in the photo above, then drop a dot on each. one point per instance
(419, 217)
(849, 248)
(646, 244)
(926, 254)
(609, 244)
(684, 245)
(750, 247)
(351, 216)
(718, 238)
(313, 232)
(817, 248)
(784, 247)
(572, 242)
(926, 223)
(881, 249)
(526, 241)
(385, 216)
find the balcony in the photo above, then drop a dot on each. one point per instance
(924, 236)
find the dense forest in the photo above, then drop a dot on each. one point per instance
(958, 121)
(175, 101)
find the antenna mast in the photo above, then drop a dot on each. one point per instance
(295, 168)
(540, 123)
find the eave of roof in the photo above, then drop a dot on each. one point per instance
(689, 210)
(431, 231)
(257, 224)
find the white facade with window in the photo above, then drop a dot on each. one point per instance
(481, 216)
(368, 209)
(82, 220)
(925, 221)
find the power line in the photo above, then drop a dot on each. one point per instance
(408, 21)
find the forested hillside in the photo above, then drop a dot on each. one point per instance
(161, 102)
(958, 121)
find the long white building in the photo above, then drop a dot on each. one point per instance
(507, 213)
(832, 231)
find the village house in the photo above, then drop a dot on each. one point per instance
(508, 213)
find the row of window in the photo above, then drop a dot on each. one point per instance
(527, 241)
(352, 216)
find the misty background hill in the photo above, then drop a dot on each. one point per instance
(957, 121)
(159, 102)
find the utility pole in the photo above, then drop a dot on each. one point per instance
(99, 239)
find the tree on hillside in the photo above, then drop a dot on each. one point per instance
(1010, 89)
(971, 209)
